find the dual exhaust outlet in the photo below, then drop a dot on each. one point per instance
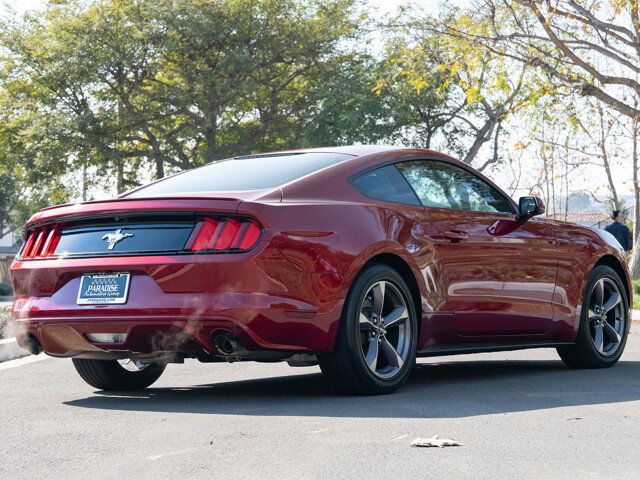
(225, 342)
(228, 344)
(31, 344)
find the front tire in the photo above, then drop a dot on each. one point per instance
(118, 374)
(604, 322)
(376, 342)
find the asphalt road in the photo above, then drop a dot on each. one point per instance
(518, 414)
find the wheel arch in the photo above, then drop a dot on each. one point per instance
(406, 272)
(614, 263)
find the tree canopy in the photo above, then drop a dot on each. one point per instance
(102, 95)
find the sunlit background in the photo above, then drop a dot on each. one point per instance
(590, 178)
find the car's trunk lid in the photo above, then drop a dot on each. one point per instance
(125, 226)
(210, 201)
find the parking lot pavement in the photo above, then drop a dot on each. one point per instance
(517, 414)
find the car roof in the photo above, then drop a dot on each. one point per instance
(320, 184)
(355, 150)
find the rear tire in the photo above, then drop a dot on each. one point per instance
(604, 322)
(111, 375)
(376, 341)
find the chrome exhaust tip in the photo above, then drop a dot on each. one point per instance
(228, 344)
(31, 344)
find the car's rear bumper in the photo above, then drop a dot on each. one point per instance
(177, 304)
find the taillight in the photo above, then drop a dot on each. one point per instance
(42, 242)
(224, 234)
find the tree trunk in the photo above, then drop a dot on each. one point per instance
(84, 182)
(482, 137)
(549, 199)
(428, 140)
(552, 177)
(566, 187)
(4, 276)
(120, 187)
(211, 140)
(605, 159)
(159, 169)
(634, 263)
(612, 187)
(119, 176)
(636, 183)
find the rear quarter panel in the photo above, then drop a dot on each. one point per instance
(333, 240)
(579, 251)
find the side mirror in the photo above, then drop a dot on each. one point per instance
(530, 207)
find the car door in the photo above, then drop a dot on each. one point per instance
(499, 272)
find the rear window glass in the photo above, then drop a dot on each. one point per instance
(386, 184)
(252, 172)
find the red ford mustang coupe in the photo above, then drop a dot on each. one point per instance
(357, 258)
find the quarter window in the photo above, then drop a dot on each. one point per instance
(442, 185)
(386, 184)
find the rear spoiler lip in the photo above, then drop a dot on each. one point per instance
(159, 204)
(240, 195)
(134, 199)
(137, 206)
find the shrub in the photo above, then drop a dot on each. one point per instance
(5, 290)
(636, 294)
(5, 319)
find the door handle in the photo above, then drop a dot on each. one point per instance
(455, 235)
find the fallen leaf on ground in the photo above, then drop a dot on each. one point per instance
(435, 441)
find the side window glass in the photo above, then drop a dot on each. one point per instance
(432, 190)
(386, 184)
(443, 185)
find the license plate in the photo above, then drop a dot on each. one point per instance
(103, 288)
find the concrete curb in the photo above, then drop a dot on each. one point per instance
(9, 349)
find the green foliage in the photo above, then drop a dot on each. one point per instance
(5, 321)
(245, 74)
(5, 290)
(348, 112)
(353, 110)
(170, 83)
(470, 91)
(420, 95)
(7, 201)
(636, 294)
(131, 90)
(28, 179)
(114, 93)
